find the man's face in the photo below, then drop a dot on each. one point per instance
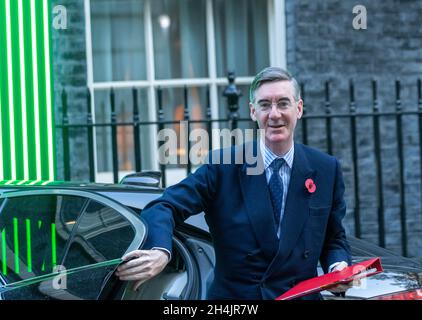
(276, 111)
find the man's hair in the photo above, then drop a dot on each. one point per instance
(271, 74)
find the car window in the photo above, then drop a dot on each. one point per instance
(34, 231)
(101, 238)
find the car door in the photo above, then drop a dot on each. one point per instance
(63, 244)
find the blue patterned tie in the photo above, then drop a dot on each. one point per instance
(276, 189)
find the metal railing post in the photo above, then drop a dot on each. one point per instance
(65, 137)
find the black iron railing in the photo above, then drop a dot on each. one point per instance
(351, 117)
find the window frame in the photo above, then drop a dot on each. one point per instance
(276, 47)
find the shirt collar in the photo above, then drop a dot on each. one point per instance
(269, 156)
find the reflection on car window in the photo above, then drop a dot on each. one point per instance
(67, 232)
(102, 234)
(34, 231)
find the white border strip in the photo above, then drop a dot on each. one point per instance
(10, 85)
(169, 83)
(90, 73)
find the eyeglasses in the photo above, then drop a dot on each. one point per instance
(281, 105)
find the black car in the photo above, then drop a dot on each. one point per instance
(63, 240)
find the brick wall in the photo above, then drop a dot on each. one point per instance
(69, 59)
(323, 46)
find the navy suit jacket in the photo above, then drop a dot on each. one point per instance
(251, 262)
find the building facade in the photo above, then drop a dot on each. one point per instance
(173, 44)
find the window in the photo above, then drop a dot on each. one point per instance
(249, 16)
(172, 44)
(179, 35)
(34, 232)
(118, 40)
(102, 235)
(83, 237)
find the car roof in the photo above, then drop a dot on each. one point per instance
(122, 193)
(12, 185)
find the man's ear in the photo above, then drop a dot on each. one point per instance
(252, 111)
(299, 108)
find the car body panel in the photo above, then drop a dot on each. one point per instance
(190, 272)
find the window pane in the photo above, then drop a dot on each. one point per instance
(241, 30)
(118, 44)
(34, 232)
(179, 38)
(174, 109)
(125, 138)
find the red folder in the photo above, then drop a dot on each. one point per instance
(359, 270)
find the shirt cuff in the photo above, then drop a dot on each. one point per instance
(331, 267)
(165, 250)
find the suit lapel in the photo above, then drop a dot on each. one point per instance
(258, 203)
(296, 210)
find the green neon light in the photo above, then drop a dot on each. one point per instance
(27, 141)
(28, 245)
(53, 246)
(3, 252)
(23, 91)
(16, 244)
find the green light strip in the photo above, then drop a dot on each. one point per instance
(28, 245)
(11, 98)
(27, 141)
(3, 252)
(16, 244)
(23, 92)
(36, 89)
(53, 246)
(50, 130)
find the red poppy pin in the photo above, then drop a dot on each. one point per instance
(310, 185)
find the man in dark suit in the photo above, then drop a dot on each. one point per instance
(271, 219)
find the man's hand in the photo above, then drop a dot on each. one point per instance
(343, 287)
(142, 265)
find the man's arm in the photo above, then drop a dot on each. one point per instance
(336, 248)
(188, 197)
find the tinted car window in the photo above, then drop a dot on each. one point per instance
(34, 232)
(101, 237)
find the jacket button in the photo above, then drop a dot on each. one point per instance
(306, 254)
